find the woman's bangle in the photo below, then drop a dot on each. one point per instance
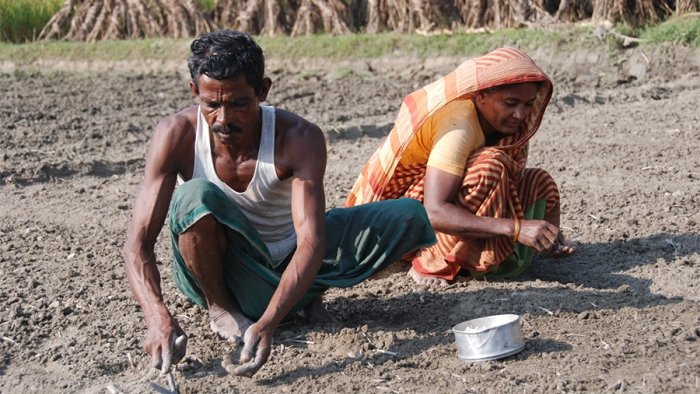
(516, 230)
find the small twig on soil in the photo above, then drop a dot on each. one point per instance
(626, 40)
(550, 313)
(594, 305)
(386, 352)
(605, 345)
(300, 341)
(367, 338)
(593, 216)
(574, 335)
(172, 384)
(646, 59)
(6, 339)
(131, 361)
(618, 386)
(501, 370)
(460, 377)
(114, 389)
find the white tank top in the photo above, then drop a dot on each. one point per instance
(267, 202)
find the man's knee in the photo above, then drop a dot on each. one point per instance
(197, 189)
(207, 224)
(205, 230)
(190, 200)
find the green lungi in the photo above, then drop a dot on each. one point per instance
(360, 241)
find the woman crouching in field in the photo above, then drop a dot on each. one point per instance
(460, 146)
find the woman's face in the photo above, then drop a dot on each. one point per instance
(505, 110)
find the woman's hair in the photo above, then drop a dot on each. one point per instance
(226, 54)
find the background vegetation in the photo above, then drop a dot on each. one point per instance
(684, 30)
(94, 20)
(22, 18)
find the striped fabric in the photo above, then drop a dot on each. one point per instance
(496, 183)
(500, 67)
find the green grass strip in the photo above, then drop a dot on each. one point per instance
(22, 20)
(355, 46)
(682, 30)
(679, 31)
(363, 46)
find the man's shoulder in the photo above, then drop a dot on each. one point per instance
(301, 142)
(181, 122)
(295, 126)
(174, 138)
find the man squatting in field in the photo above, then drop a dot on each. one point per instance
(459, 145)
(251, 240)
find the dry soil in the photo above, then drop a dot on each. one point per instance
(621, 138)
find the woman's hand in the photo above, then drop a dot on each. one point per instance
(540, 235)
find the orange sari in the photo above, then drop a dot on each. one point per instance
(496, 182)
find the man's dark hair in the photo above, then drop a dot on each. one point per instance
(226, 54)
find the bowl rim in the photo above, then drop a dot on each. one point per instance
(508, 318)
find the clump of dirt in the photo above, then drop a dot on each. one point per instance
(620, 315)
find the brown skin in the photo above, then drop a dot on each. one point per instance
(300, 154)
(501, 113)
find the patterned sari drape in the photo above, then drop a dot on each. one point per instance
(495, 183)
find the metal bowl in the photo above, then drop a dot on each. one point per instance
(489, 338)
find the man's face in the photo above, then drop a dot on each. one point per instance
(230, 107)
(506, 109)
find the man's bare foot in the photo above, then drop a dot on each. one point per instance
(316, 313)
(426, 280)
(230, 326)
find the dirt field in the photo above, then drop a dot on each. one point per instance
(623, 314)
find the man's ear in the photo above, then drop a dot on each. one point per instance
(264, 89)
(194, 89)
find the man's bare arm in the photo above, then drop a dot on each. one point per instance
(149, 214)
(308, 215)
